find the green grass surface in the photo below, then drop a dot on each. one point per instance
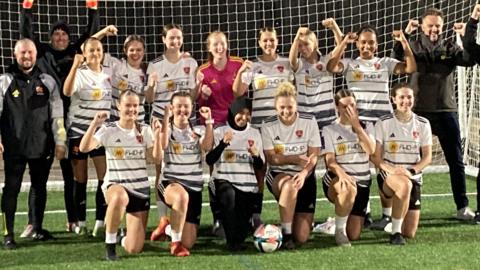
(441, 243)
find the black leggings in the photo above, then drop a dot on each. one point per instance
(236, 208)
(39, 170)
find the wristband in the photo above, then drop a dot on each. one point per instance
(27, 4)
(92, 3)
(209, 122)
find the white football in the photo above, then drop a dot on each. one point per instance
(267, 238)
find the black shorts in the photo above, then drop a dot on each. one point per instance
(306, 196)
(136, 204)
(361, 199)
(75, 154)
(194, 209)
(415, 195)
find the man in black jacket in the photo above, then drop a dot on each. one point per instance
(470, 44)
(31, 123)
(56, 58)
(434, 86)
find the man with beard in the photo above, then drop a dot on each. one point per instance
(434, 86)
(31, 126)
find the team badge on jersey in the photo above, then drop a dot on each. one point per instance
(299, 133)
(177, 148)
(377, 66)
(280, 68)
(140, 138)
(229, 156)
(39, 90)
(392, 147)
(341, 149)
(319, 66)
(279, 148)
(260, 84)
(119, 153)
(415, 134)
(186, 70)
(357, 75)
(122, 85)
(96, 93)
(16, 93)
(251, 142)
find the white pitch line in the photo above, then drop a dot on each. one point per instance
(264, 202)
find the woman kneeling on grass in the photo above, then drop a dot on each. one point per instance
(236, 157)
(291, 141)
(181, 181)
(404, 149)
(128, 146)
(348, 146)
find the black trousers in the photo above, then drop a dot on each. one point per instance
(67, 173)
(236, 208)
(39, 170)
(445, 125)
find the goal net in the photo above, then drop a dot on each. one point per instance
(242, 19)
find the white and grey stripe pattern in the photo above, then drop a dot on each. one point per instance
(173, 77)
(290, 140)
(125, 77)
(402, 142)
(236, 165)
(265, 78)
(315, 91)
(126, 151)
(183, 158)
(92, 93)
(343, 142)
(369, 80)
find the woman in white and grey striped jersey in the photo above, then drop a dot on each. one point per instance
(181, 180)
(89, 86)
(128, 144)
(238, 153)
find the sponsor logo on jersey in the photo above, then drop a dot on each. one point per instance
(341, 149)
(165, 76)
(277, 138)
(392, 135)
(392, 147)
(308, 80)
(339, 138)
(177, 148)
(299, 133)
(186, 70)
(279, 148)
(118, 140)
(170, 85)
(260, 84)
(357, 75)
(39, 91)
(119, 153)
(229, 156)
(16, 93)
(122, 85)
(97, 93)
